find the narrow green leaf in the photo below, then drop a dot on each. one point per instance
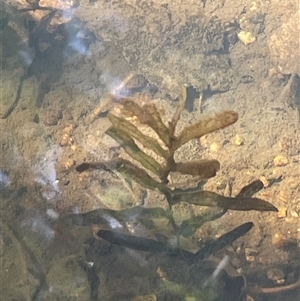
(140, 176)
(205, 169)
(131, 130)
(212, 199)
(222, 242)
(251, 189)
(148, 114)
(190, 226)
(140, 243)
(134, 151)
(205, 126)
(179, 109)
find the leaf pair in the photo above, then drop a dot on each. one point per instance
(242, 202)
(150, 245)
(127, 134)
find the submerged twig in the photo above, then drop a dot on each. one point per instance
(272, 290)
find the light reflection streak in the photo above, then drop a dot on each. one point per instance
(217, 271)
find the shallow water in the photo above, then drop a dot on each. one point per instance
(65, 68)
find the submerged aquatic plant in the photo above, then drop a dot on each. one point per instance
(126, 134)
(150, 174)
(154, 175)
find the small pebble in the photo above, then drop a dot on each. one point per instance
(214, 147)
(250, 254)
(282, 212)
(281, 160)
(238, 140)
(276, 276)
(246, 37)
(294, 213)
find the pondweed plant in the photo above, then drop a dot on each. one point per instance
(145, 170)
(154, 175)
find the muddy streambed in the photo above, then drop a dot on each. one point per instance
(61, 60)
